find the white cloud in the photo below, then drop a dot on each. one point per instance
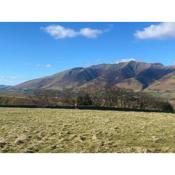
(159, 31)
(125, 60)
(90, 33)
(60, 32)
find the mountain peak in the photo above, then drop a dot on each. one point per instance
(127, 73)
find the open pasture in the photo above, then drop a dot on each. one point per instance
(85, 131)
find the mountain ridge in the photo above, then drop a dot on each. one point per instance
(128, 75)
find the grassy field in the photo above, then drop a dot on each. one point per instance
(59, 130)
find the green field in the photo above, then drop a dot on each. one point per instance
(66, 130)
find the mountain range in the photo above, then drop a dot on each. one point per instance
(137, 76)
(4, 87)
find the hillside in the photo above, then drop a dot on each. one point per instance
(164, 87)
(129, 75)
(167, 83)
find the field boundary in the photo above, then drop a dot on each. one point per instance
(105, 108)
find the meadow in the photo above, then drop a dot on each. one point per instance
(85, 131)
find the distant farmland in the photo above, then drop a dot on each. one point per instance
(65, 130)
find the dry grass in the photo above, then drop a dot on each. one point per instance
(58, 130)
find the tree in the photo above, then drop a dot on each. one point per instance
(84, 100)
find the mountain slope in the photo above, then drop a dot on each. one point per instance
(166, 83)
(130, 83)
(128, 75)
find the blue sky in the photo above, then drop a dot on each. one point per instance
(32, 50)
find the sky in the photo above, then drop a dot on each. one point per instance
(33, 50)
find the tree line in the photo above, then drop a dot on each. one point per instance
(106, 97)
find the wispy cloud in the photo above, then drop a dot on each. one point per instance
(48, 65)
(125, 60)
(60, 32)
(159, 31)
(44, 65)
(7, 79)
